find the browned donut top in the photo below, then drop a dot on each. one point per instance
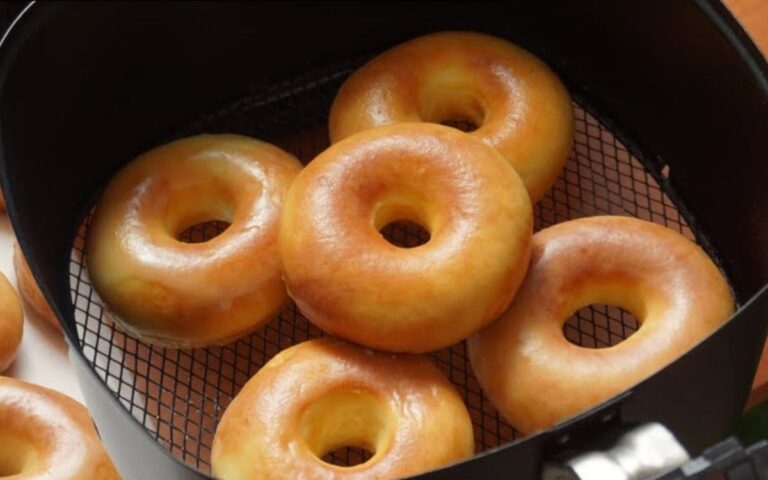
(518, 104)
(45, 435)
(350, 281)
(320, 395)
(536, 377)
(192, 294)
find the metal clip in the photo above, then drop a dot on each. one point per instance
(642, 453)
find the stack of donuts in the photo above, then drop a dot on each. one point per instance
(313, 235)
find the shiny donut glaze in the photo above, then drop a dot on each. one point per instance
(11, 323)
(535, 377)
(324, 394)
(29, 290)
(192, 294)
(45, 435)
(520, 107)
(347, 279)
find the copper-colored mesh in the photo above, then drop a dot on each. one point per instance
(203, 231)
(405, 234)
(179, 395)
(347, 456)
(599, 326)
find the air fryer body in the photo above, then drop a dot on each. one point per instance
(84, 87)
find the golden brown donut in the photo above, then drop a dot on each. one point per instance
(321, 395)
(347, 279)
(11, 323)
(535, 377)
(192, 294)
(45, 435)
(518, 104)
(29, 290)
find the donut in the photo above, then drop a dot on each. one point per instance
(47, 435)
(537, 378)
(322, 395)
(517, 103)
(351, 282)
(11, 323)
(29, 291)
(187, 295)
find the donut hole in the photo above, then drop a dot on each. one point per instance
(405, 234)
(9, 466)
(345, 428)
(400, 224)
(203, 231)
(198, 209)
(348, 456)
(600, 326)
(453, 106)
(15, 454)
(463, 124)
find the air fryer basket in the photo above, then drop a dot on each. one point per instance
(670, 101)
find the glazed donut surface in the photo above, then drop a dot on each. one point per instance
(518, 104)
(350, 281)
(192, 294)
(535, 377)
(45, 435)
(320, 395)
(11, 323)
(29, 291)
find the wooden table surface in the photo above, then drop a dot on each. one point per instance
(753, 16)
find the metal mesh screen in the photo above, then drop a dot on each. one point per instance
(600, 326)
(179, 395)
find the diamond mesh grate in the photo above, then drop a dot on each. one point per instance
(600, 326)
(179, 395)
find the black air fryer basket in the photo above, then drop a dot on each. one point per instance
(671, 102)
